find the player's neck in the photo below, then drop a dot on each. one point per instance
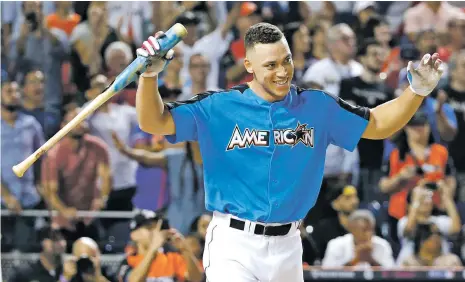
(262, 93)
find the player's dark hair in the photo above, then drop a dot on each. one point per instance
(262, 33)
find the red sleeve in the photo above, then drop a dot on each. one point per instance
(50, 165)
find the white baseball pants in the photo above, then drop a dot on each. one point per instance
(233, 255)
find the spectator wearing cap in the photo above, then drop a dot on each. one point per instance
(429, 14)
(48, 268)
(419, 212)
(363, 11)
(220, 38)
(359, 248)
(416, 160)
(368, 90)
(454, 93)
(76, 176)
(249, 15)
(343, 200)
(33, 103)
(38, 47)
(161, 252)
(21, 135)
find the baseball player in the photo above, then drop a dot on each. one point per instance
(263, 147)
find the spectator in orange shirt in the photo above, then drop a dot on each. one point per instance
(414, 162)
(156, 255)
(63, 18)
(248, 16)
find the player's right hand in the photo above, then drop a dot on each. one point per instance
(149, 50)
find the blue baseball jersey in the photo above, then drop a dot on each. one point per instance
(264, 161)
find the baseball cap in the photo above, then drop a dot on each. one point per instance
(362, 5)
(338, 190)
(146, 217)
(419, 118)
(188, 18)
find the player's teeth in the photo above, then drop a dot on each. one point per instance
(281, 82)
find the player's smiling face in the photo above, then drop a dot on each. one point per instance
(272, 66)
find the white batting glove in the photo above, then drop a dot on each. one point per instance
(426, 76)
(149, 50)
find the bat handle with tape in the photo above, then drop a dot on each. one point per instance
(171, 37)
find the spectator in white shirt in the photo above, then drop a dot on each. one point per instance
(360, 248)
(327, 74)
(213, 45)
(419, 212)
(120, 119)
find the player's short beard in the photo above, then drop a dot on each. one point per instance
(264, 86)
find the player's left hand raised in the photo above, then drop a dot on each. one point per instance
(426, 76)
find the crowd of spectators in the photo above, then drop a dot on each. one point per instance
(396, 202)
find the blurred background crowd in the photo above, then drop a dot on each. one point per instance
(401, 200)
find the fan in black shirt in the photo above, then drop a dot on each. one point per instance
(344, 200)
(455, 92)
(368, 90)
(48, 267)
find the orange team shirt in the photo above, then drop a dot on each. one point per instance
(435, 168)
(168, 266)
(67, 25)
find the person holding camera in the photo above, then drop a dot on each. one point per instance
(161, 253)
(420, 211)
(416, 160)
(85, 264)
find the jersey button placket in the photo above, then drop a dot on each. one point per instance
(274, 182)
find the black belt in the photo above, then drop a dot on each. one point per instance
(279, 230)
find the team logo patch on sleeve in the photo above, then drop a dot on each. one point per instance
(262, 138)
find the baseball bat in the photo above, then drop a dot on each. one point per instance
(172, 37)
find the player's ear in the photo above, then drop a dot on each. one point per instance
(248, 65)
